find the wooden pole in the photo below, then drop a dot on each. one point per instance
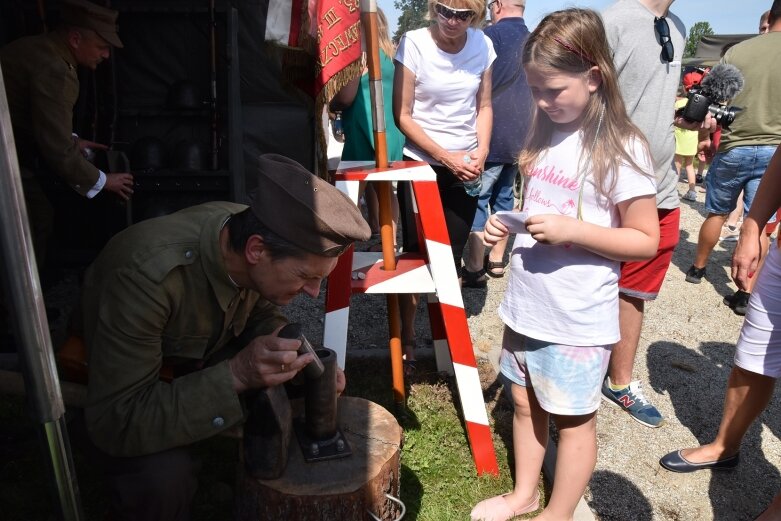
(384, 190)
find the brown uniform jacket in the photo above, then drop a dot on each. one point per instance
(42, 87)
(159, 293)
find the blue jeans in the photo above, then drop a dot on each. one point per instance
(740, 168)
(496, 192)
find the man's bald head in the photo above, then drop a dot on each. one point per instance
(506, 9)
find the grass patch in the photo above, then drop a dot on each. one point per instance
(438, 478)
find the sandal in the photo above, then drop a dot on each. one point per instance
(409, 367)
(473, 279)
(489, 266)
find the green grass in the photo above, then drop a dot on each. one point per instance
(438, 478)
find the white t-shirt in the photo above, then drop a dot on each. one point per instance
(446, 85)
(565, 294)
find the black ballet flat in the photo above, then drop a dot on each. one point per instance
(675, 462)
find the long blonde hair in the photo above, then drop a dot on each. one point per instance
(573, 41)
(382, 35)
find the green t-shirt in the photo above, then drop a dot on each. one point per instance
(759, 123)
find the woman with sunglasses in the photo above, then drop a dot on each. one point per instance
(442, 104)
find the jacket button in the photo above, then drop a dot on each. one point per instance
(218, 422)
(188, 254)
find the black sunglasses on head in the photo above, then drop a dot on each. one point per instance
(663, 30)
(448, 13)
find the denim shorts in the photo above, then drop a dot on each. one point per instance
(740, 168)
(496, 192)
(566, 380)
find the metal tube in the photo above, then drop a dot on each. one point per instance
(320, 399)
(27, 313)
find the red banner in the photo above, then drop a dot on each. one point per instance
(338, 40)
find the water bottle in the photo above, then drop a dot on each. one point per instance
(473, 187)
(338, 128)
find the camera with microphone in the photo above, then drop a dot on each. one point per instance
(713, 95)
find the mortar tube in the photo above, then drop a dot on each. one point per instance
(320, 399)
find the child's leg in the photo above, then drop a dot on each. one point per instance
(688, 164)
(530, 438)
(577, 456)
(677, 162)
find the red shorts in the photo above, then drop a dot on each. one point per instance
(643, 279)
(771, 226)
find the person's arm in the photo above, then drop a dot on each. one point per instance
(636, 239)
(767, 200)
(52, 95)
(485, 119)
(403, 99)
(131, 412)
(346, 95)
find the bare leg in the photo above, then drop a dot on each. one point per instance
(496, 253)
(474, 261)
(747, 396)
(688, 164)
(408, 304)
(708, 237)
(530, 438)
(737, 213)
(577, 456)
(630, 319)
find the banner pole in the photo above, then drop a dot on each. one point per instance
(384, 191)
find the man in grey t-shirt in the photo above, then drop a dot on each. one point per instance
(647, 42)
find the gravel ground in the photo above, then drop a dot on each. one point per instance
(684, 358)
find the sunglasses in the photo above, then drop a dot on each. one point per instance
(448, 13)
(663, 30)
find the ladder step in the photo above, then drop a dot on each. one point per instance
(412, 274)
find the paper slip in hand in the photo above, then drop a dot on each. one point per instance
(515, 221)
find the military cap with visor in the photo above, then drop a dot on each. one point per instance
(304, 209)
(81, 13)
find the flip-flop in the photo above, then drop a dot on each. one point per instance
(489, 266)
(409, 367)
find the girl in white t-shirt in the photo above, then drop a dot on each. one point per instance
(589, 197)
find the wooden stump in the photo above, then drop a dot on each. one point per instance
(334, 490)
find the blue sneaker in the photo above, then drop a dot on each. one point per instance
(632, 400)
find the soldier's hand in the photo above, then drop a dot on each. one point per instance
(120, 184)
(267, 361)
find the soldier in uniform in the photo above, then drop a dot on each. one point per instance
(198, 290)
(42, 87)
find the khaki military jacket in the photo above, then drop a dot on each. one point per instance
(42, 87)
(159, 293)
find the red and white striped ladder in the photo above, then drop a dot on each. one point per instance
(432, 272)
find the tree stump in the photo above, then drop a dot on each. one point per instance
(333, 490)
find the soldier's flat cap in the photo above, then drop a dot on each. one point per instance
(304, 209)
(81, 13)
